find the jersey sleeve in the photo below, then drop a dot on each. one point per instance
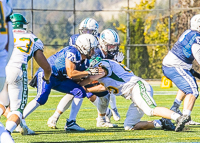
(196, 52)
(37, 43)
(72, 40)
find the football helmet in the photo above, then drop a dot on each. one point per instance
(18, 21)
(85, 43)
(109, 41)
(90, 26)
(195, 23)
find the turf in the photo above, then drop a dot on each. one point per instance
(86, 118)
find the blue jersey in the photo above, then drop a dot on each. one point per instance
(182, 48)
(57, 61)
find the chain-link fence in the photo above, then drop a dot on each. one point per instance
(147, 28)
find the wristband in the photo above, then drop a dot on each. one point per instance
(47, 81)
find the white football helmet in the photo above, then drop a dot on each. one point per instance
(85, 43)
(195, 23)
(109, 41)
(90, 26)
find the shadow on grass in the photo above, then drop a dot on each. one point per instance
(92, 141)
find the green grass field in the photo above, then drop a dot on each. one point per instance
(86, 118)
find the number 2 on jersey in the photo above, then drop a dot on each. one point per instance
(25, 49)
(3, 29)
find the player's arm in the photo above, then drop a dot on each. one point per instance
(92, 78)
(72, 72)
(43, 63)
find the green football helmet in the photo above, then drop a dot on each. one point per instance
(18, 21)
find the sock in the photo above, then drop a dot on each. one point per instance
(1, 111)
(108, 111)
(186, 112)
(56, 114)
(65, 102)
(95, 103)
(23, 122)
(174, 116)
(6, 137)
(177, 101)
(113, 101)
(31, 106)
(75, 107)
(10, 126)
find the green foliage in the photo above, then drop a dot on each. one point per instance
(58, 34)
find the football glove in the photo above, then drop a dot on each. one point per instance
(195, 74)
(119, 57)
(93, 71)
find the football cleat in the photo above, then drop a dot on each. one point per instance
(175, 108)
(52, 122)
(101, 122)
(167, 124)
(115, 114)
(72, 126)
(24, 130)
(108, 115)
(181, 121)
(191, 122)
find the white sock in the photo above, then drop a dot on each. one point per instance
(65, 102)
(10, 126)
(56, 114)
(186, 112)
(30, 107)
(1, 111)
(75, 107)
(95, 103)
(174, 116)
(6, 138)
(178, 101)
(113, 101)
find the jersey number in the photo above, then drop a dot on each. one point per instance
(25, 49)
(3, 29)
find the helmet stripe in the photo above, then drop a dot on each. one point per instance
(85, 22)
(114, 34)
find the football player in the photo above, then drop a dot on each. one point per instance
(68, 66)
(26, 45)
(111, 37)
(177, 66)
(88, 25)
(6, 47)
(122, 81)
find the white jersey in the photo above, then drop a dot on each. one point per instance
(119, 78)
(5, 11)
(25, 44)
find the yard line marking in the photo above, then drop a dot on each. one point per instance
(91, 134)
(150, 136)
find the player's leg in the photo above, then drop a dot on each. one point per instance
(3, 60)
(63, 105)
(4, 99)
(113, 106)
(5, 137)
(189, 86)
(142, 96)
(18, 93)
(76, 91)
(43, 91)
(133, 122)
(101, 108)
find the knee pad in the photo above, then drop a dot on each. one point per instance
(19, 114)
